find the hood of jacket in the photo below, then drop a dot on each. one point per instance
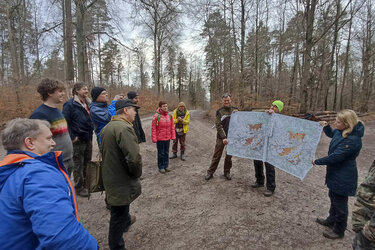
(358, 130)
(18, 158)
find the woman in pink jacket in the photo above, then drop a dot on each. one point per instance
(162, 131)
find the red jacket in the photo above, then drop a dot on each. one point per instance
(162, 128)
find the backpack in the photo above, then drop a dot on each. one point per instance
(157, 122)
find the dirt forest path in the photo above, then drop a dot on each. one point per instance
(180, 210)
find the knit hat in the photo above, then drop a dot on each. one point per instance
(95, 92)
(123, 103)
(279, 104)
(132, 94)
(181, 104)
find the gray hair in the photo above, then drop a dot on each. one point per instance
(17, 130)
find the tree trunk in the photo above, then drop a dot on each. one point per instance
(346, 63)
(80, 38)
(306, 77)
(68, 41)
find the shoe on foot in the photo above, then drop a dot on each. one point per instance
(167, 170)
(323, 222)
(173, 156)
(228, 176)
(162, 171)
(332, 235)
(83, 192)
(257, 185)
(133, 219)
(208, 176)
(268, 193)
(182, 156)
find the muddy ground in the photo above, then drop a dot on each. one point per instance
(180, 210)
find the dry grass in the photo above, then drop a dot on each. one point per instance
(29, 100)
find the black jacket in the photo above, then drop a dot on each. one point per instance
(137, 125)
(79, 121)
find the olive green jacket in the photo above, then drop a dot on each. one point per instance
(122, 163)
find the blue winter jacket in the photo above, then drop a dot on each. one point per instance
(342, 174)
(38, 209)
(78, 119)
(100, 116)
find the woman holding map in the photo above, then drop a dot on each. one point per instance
(342, 174)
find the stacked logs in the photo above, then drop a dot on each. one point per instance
(323, 115)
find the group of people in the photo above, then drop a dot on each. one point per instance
(341, 175)
(37, 198)
(38, 203)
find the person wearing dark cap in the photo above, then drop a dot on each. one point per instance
(122, 168)
(99, 109)
(276, 107)
(137, 124)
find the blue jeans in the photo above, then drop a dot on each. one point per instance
(163, 154)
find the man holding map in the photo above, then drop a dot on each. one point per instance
(276, 107)
(222, 124)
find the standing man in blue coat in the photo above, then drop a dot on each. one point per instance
(38, 206)
(342, 174)
(77, 115)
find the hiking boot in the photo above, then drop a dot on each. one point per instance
(332, 235)
(257, 185)
(173, 156)
(162, 171)
(182, 156)
(323, 222)
(228, 176)
(133, 218)
(83, 192)
(167, 170)
(208, 176)
(268, 193)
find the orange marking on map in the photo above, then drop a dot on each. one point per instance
(255, 126)
(249, 140)
(286, 151)
(297, 136)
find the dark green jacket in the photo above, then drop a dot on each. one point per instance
(222, 121)
(122, 163)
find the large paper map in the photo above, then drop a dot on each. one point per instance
(286, 142)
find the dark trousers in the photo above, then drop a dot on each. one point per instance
(181, 139)
(338, 212)
(270, 174)
(163, 151)
(118, 224)
(219, 148)
(82, 152)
